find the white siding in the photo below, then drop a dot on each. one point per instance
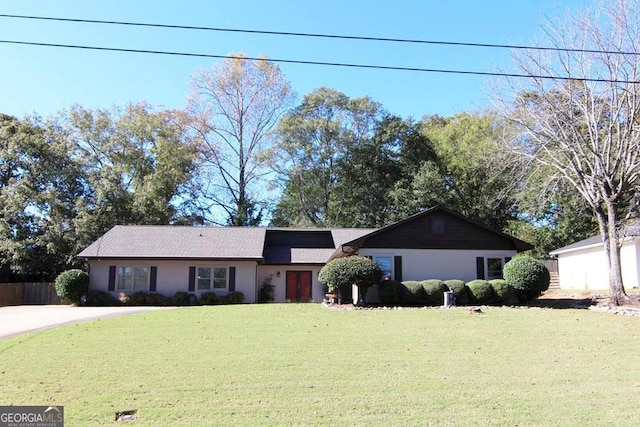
(173, 276)
(443, 264)
(587, 268)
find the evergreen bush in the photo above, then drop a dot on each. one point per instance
(528, 276)
(72, 284)
(233, 298)
(100, 299)
(412, 293)
(341, 273)
(504, 292)
(481, 292)
(209, 298)
(434, 290)
(390, 292)
(180, 299)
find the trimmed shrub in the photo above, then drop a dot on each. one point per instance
(180, 299)
(146, 298)
(209, 298)
(434, 290)
(72, 284)
(481, 292)
(233, 298)
(158, 300)
(504, 292)
(412, 293)
(390, 292)
(528, 276)
(341, 273)
(266, 290)
(100, 299)
(460, 291)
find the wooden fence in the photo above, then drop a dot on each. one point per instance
(551, 264)
(28, 293)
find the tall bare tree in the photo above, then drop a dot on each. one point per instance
(235, 106)
(586, 128)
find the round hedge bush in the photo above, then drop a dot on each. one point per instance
(180, 299)
(460, 291)
(434, 290)
(209, 298)
(412, 293)
(504, 292)
(353, 270)
(528, 276)
(100, 299)
(481, 291)
(72, 284)
(390, 291)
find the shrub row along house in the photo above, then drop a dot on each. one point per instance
(435, 243)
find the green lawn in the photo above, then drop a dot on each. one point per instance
(309, 365)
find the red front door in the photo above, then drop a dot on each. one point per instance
(299, 286)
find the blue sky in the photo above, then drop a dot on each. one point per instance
(46, 80)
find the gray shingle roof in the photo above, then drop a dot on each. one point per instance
(185, 242)
(591, 241)
(178, 242)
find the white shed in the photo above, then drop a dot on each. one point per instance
(583, 265)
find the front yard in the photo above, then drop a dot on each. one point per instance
(309, 365)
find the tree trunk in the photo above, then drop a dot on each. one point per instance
(617, 294)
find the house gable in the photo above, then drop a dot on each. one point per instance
(438, 228)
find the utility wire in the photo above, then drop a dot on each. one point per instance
(333, 64)
(328, 36)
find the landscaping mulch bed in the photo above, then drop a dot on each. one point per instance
(556, 299)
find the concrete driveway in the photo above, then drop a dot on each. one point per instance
(16, 320)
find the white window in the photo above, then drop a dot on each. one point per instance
(211, 278)
(203, 278)
(494, 268)
(385, 262)
(133, 278)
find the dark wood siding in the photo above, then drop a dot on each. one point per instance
(426, 233)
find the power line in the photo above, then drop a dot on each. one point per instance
(332, 64)
(316, 35)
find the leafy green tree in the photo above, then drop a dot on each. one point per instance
(552, 214)
(40, 186)
(235, 107)
(312, 140)
(479, 178)
(136, 164)
(370, 171)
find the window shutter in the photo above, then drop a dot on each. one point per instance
(232, 279)
(112, 278)
(153, 278)
(480, 267)
(192, 279)
(397, 268)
